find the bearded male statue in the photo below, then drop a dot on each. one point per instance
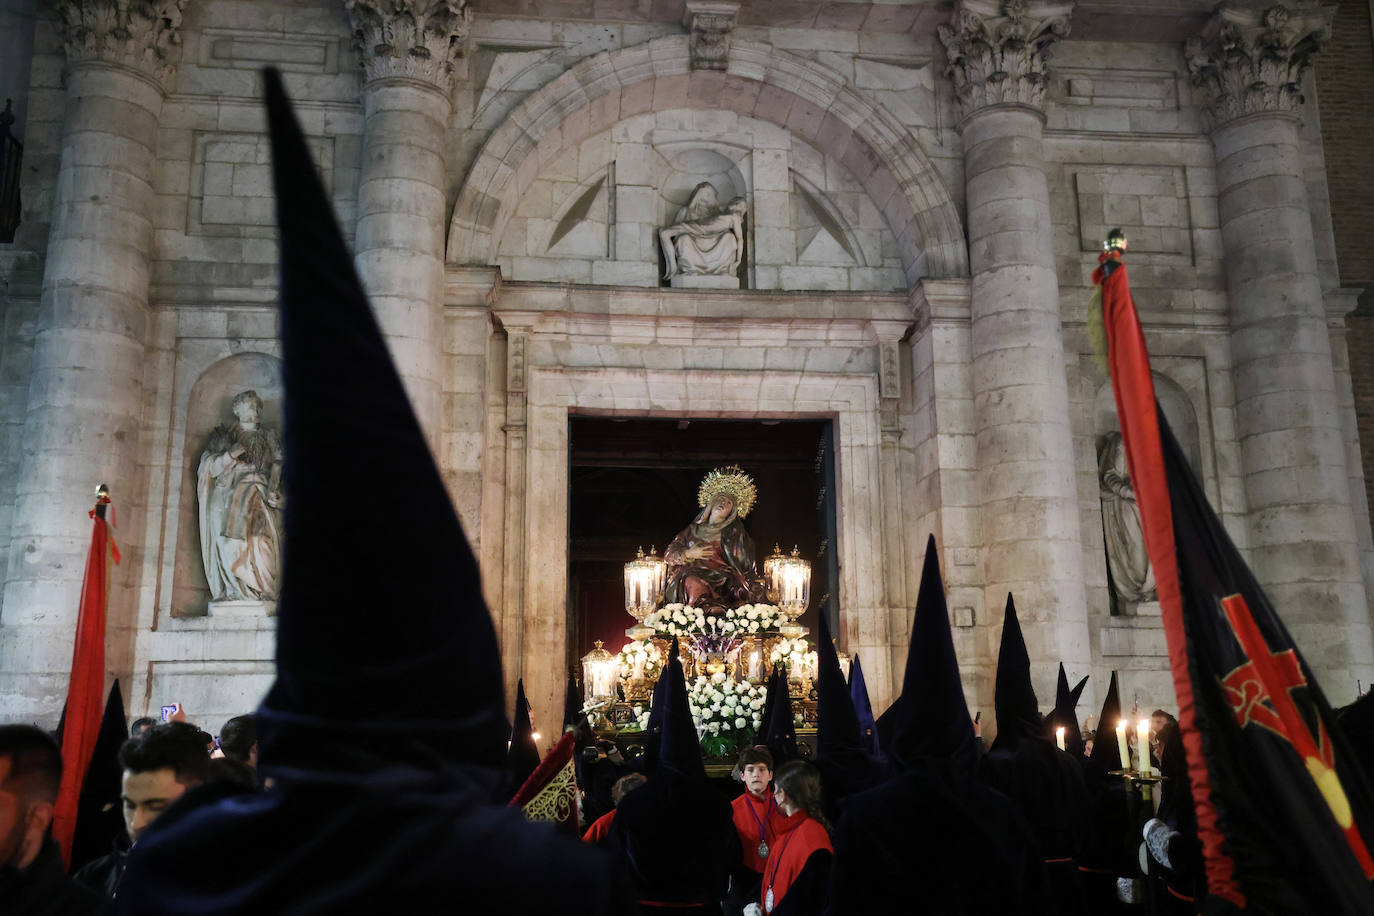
(238, 483)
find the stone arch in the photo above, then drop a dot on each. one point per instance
(760, 82)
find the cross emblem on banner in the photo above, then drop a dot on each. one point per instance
(1260, 691)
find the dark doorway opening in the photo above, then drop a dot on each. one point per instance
(633, 483)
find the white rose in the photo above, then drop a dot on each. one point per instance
(714, 728)
(718, 677)
(740, 723)
(754, 627)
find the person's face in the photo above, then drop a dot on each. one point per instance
(784, 804)
(247, 411)
(721, 507)
(757, 776)
(1157, 725)
(147, 795)
(22, 825)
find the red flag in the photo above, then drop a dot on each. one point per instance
(86, 688)
(1282, 810)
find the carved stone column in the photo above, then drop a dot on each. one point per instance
(1029, 499)
(1249, 67)
(86, 387)
(408, 50)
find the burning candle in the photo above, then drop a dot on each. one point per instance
(1121, 745)
(1059, 737)
(1142, 745)
(755, 672)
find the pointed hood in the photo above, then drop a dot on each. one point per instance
(769, 700)
(658, 711)
(1018, 711)
(837, 728)
(863, 708)
(931, 717)
(523, 755)
(416, 665)
(778, 731)
(1105, 750)
(679, 748)
(572, 706)
(99, 823)
(1065, 714)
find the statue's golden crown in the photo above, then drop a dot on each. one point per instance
(734, 483)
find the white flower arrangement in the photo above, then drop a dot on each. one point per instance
(676, 620)
(791, 652)
(683, 620)
(727, 714)
(755, 618)
(642, 654)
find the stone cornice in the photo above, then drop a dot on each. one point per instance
(1252, 62)
(144, 35)
(998, 50)
(410, 39)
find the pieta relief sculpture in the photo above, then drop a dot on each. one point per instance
(1132, 579)
(711, 563)
(707, 239)
(238, 484)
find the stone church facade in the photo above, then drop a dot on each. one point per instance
(927, 192)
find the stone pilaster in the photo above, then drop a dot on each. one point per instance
(86, 388)
(1249, 68)
(408, 49)
(1029, 500)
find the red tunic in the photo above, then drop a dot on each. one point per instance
(787, 860)
(600, 828)
(749, 811)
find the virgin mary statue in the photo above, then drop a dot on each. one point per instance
(711, 562)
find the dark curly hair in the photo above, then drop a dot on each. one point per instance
(174, 745)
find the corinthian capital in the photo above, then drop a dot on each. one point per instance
(418, 39)
(142, 34)
(998, 50)
(1247, 61)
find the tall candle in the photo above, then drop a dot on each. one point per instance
(1121, 745)
(1142, 745)
(754, 671)
(1059, 737)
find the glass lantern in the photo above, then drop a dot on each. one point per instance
(791, 580)
(770, 565)
(600, 670)
(644, 583)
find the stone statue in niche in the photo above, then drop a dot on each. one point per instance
(707, 239)
(1132, 579)
(711, 562)
(238, 483)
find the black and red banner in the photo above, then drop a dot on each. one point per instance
(1284, 814)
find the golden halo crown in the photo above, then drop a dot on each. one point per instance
(734, 483)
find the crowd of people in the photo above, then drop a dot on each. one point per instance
(373, 778)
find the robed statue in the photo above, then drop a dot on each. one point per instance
(1128, 562)
(707, 239)
(711, 562)
(238, 483)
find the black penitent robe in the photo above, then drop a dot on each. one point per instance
(678, 835)
(1047, 784)
(935, 840)
(399, 840)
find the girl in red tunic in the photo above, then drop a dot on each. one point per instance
(798, 870)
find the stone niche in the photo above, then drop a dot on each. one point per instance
(208, 407)
(592, 213)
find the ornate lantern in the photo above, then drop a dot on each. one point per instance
(644, 583)
(599, 673)
(770, 566)
(791, 580)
